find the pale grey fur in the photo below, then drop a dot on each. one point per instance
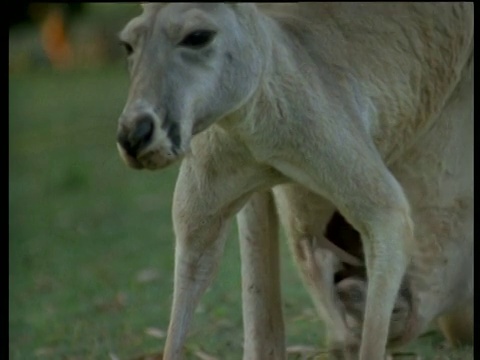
(364, 108)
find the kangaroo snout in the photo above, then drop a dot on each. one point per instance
(135, 138)
(143, 144)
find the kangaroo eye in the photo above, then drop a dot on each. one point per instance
(128, 48)
(197, 39)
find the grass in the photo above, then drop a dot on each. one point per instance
(91, 242)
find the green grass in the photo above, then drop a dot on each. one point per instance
(84, 230)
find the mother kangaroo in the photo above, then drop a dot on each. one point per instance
(363, 110)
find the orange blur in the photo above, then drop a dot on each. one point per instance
(55, 40)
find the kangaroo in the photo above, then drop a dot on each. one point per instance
(360, 109)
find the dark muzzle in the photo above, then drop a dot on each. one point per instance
(134, 139)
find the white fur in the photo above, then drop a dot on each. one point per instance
(361, 108)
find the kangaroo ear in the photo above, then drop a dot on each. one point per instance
(146, 6)
(243, 5)
(247, 8)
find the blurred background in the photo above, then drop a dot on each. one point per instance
(90, 240)
(66, 36)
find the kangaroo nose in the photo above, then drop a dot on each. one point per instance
(134, 139)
